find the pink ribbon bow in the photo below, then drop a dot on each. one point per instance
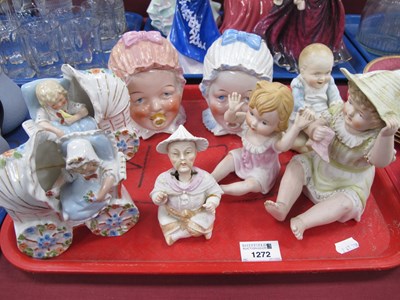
(132, 37)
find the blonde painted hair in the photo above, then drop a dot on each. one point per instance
(360, 99)
(47, 91)
(149, 51)
(315, 49)
(273, 96)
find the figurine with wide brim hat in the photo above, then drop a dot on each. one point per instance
(182, 135)
(382, 88)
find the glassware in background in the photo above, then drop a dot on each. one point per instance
(111, 14)
(62, 14)
(42, 44)
(379, 30)
(79, 37)
(14, 58)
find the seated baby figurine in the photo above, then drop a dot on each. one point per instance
(58, 114)
(233, 63)
(186, 195)
(314, 87)
(257, 162)
(148, 64)
(364, 128)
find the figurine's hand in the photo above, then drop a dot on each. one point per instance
(391, 127)
(304, 117)
(70, 120)
(301, 4)
(234, 102)
(161, 198)
(53, 193)
(320, 132)
(210, 206)
(278, 2)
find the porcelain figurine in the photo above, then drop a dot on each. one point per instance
(257, 162)
(148, 64)
(45, 210)
(187, 196)
(314, 87)
(291, 25)
(233, 63)
(364, 129)
(161, 13)
(192, 33)
(97, 93)
(59, 114)
(244, 15)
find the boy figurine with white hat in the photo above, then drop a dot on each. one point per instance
(364, 129)
(186, 195)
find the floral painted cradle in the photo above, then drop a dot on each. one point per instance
(27, 173)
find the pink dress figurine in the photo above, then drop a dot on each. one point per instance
(186, 195)
(291, 25)
(233, 63)
(148, 64)
(314, 87)
(257, 162)
(364, 129)
(244, 15)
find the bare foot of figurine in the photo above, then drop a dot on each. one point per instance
(298, 227)
(276, 209)
(208, 235)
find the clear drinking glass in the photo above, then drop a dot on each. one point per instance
(379, 30)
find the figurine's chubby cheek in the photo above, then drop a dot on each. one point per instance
(172, 107)
(218, 108)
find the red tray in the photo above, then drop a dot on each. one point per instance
(143, 250)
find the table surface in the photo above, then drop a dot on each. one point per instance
(18, 284)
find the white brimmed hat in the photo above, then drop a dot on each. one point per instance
(382, 88)
(182, 135)
(79, 152)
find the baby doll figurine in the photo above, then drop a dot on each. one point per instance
(148, 64)
(257, 162)
(364, 129)
(186, 195)
(233, 63)
(314, 87)
(291, 25)
(58, 114)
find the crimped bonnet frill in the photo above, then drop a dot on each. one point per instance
(138, 51)
(237, 51)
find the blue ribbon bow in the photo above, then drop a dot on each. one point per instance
(250, 39)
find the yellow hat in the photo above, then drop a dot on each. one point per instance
(382, 88)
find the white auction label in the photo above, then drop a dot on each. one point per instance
(347, 245)
(260, 251)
